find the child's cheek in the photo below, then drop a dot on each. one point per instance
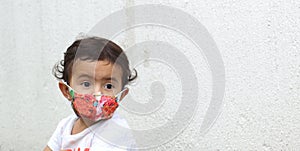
(84, 105)
(109, 107)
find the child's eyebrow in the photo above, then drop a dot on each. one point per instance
(110, 79)
(85, 76)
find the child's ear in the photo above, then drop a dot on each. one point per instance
(64, 90)
(125, 92)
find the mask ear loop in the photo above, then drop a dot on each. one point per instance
(71, 90)
(72, 93)
(118, 96)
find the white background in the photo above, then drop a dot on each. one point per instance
(258, 41)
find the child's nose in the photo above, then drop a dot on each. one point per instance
(97, 89)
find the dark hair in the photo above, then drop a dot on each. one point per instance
(92, 49)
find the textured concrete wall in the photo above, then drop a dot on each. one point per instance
(258, 41)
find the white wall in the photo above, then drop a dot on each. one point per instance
(258, 42)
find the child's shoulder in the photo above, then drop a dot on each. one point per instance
(119, 120)
(66, 122)
(68, 119)
(112, 133)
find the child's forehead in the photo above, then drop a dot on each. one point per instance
(97, 69)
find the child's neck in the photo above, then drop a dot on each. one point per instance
(80, 125)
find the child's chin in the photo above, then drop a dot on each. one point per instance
(90, 122)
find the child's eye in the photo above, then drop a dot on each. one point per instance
(86, 84)
(108, 86)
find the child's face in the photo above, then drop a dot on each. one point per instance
(91, 77)
(88, 77)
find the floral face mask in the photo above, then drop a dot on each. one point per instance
(94, 107)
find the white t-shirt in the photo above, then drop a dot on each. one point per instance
(111, 134)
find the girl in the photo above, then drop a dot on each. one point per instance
(93, 76)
